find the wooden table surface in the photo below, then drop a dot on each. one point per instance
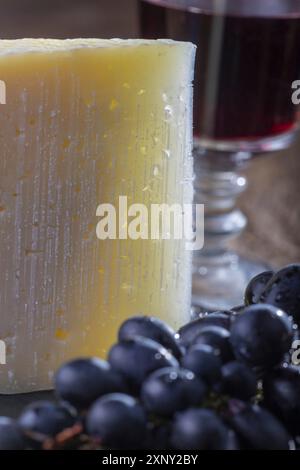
(272, 200)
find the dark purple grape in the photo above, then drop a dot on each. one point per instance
(82, 381)
(204, 362)
(117, 421)
(170, 389)
(283, 291)
(198, 429)
(256, 287)
(135, 359)
(238, 381)
(190, 331)
(258, 428)
(152, 328)
(11, 436)
(46, 418)
(261, 336)
(281, 389)
(219, 339)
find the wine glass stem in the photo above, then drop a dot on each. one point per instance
(219, 274)
(218, 186)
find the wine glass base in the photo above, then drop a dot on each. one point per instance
(221, 285)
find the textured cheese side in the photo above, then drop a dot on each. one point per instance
(85, 121)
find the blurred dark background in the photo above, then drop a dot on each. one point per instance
(68, 18)
(272, 201)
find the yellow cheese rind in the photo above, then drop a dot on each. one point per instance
(29, 45)
(86, 121)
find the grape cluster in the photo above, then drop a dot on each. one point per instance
(223, 381)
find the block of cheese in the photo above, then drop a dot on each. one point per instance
(87, 121)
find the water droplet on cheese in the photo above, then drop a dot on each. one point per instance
(88, 103)
(19, 132)
(113, 104)
(59, 312)
(126, 286)
(66, 142)
(155, 139)
(156, 170)
(168, 112)
(61, 334)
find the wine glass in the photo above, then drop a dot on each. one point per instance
(247, 62)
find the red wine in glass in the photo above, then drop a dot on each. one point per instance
(242, 88)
